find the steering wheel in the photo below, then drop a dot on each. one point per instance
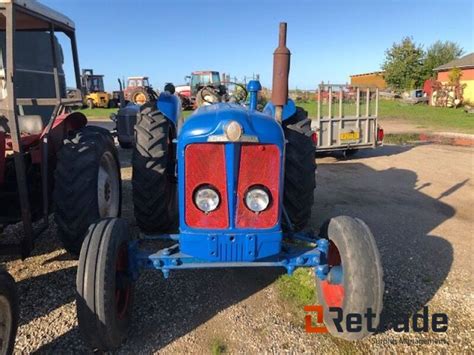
(239, 96)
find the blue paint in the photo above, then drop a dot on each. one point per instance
(232, 246)
(253, 87)
(174, 258)
(210, 121)
(170, 106)
(288, 110)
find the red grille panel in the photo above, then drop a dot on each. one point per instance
(205, 164)
(259, 165)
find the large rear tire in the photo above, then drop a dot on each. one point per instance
(104, 287)
(87, 184)
(140, 96)
(9, 312)
(353, 256)
(153, 180)
(300, 170)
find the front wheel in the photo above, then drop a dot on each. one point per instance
(354, 283)
(104, 287)
(9, 312)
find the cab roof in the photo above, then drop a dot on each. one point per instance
(36, 16)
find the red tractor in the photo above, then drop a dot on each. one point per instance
(138, 90)
(50, 159)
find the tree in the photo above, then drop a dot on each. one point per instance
(440, 53)
(403, 66)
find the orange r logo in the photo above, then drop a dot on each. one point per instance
(309, 328)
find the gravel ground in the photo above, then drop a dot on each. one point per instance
(418, 200)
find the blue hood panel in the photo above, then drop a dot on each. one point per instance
(210, 120)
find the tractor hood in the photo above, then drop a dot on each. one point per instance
(208, 123)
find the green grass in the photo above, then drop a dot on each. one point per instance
(218, 347)
(98, 113)
(298, 289)
(401, 138)
(438, 118)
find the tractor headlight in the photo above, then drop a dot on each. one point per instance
(257, 199)
(206, 198)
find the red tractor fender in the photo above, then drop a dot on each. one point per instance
(63, 125)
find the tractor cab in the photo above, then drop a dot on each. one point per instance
(200, 79)
(92, 82)
(138, 81)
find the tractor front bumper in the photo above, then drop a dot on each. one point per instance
(302, 251)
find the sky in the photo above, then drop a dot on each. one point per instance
(329, 40)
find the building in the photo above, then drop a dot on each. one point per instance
(466, 64)
(374, 79)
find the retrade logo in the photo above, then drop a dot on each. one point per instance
(355, 322)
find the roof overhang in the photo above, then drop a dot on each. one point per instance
(34, 16)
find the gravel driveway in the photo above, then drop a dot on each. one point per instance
(418, 200)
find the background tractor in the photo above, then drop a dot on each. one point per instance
(94, 92)
(138, 90)
(50, 159)
(229, 187)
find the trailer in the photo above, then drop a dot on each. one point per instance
(347, 118)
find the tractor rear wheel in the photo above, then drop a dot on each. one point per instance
(153, 180)
(9, 312)
(140, 96)
(355, 279)
(104, 296)
(87, 184)
(300, 170)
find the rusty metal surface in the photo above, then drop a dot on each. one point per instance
(281, 69)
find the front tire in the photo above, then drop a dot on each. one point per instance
(104, 287)
(153, 181)
(300, 170)
(87, 184)
(353, 254)
(9, 312)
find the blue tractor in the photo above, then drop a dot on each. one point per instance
(232, 187)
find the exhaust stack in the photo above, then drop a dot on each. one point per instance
(281, 71)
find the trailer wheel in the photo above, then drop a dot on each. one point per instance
(153, 165)
(104, 288)
(355, 279)
(9, 312)
(300, 170)
(87, 184)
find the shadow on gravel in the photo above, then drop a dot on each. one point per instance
(57, 288)
(402, 219)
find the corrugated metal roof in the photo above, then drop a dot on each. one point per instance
(464, 62)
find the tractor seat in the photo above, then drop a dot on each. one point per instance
(32, 124)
